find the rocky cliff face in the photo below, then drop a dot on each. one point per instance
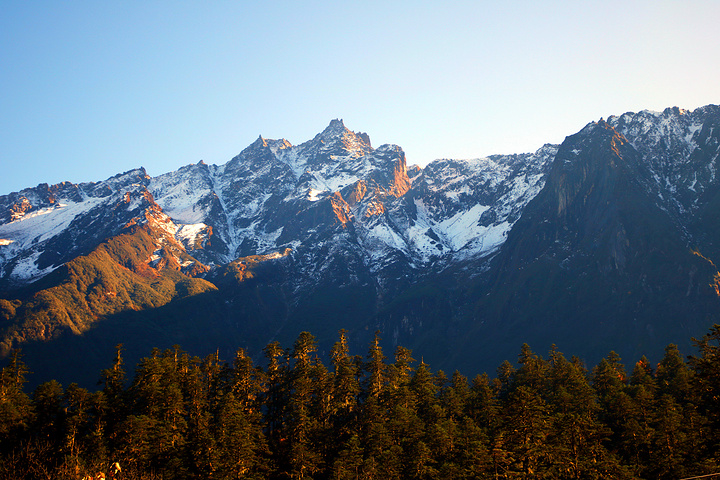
(610, 236)
(610, 254)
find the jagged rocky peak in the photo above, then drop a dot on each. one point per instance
(136, 176)
(680, 149)
(597, 147)
(261, 153)
(337, 139)
(274, 145)
(593, 136)
(675, 111)
(16, 205)
(676, 127)
(393, 171)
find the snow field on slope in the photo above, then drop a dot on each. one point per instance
(489, 239)
(179, 197)
(455, 232)
(45, 223)
(380, 238)
(462, 227)
(27, 270)
(188, 233)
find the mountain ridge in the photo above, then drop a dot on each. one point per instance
(333, 233)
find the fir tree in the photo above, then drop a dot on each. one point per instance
(15, 407)
(303, 457)
(706, 381)
(577, 435)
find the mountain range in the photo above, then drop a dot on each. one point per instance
(608, 241)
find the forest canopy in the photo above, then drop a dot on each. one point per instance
(351, 416)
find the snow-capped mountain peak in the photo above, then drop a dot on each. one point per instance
(274, 195)
(336, 141)
(680, 148)
(611, 230)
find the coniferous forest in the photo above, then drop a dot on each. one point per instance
(368, 417)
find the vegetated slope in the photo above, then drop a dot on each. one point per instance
(113, 278)
(137, 266)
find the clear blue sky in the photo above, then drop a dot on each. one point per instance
(92, 88)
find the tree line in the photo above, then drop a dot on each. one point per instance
(368, 417)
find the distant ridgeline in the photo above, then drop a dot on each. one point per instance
(366, 417)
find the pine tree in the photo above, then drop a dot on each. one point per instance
(405, 427)
(376, 369)
(113, 382)
(343, 409)
(532, 371)
(239, 442)
(609, 382)
(200, 386)
(482, 407)
(346, 387)
(242, 445)
(669, 457)
(472, 451)
(78, 424)
(638, 430)
(15, 408)
(275, 394)
(519, 446)
(375, 436)
(455, 396)
(504, 383)
(113, 403)
(706, 380)
(680, 431)
(673, 376)
(576, 440)
(49, 412)
(247, 383)
(348, 464)
(48, 421)
(425, 390)
(155, 432)
(304, 459)
(435, 444)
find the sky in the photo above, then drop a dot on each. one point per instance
(90, 89)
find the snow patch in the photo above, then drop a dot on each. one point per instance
(268, 241)
(691, 133)
(27, 270)
(187, 234)
(389, 237)
(455, 194)
(45, 223)
(155, 257)
(462, 227)
(313, 195)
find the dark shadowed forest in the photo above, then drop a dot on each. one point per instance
(368, 417)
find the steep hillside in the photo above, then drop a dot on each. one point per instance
(130, 271)
(597, 262)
